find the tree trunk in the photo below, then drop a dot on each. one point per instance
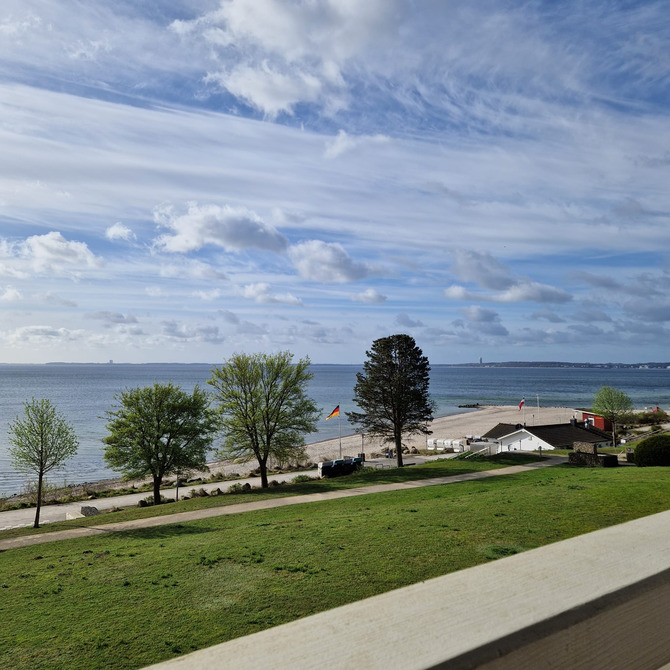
(39, 500)
(157, 490)
(398, 448)
(264, 473)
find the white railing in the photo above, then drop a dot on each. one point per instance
(597, 601)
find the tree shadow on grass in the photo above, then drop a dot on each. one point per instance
(164, 532)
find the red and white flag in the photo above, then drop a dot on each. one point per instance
(522, 403)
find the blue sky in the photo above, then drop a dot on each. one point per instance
(183, 180)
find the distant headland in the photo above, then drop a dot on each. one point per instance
(560, 364)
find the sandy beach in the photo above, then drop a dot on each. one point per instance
(453, 427)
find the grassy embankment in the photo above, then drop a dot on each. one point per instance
(129, 599)
(367, 477)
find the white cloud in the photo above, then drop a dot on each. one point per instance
(477, 314)
(288, 53)
(523, 291)
(10, 294)
(404, 320)
(208, 295)
(232, 228)
(262, 293)
(343, 143)
(269, 90)
(119, 231)
(113, 317)
(49, 254)
(38, 335)
(193, 269)
(370, 296)
(481, 269)
(325, 262)
(182, 332)
(51, 298)
(502, 286)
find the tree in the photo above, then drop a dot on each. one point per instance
(614, 405)
(41, 441)
(392, 391)
(264, 407)
(159, 430)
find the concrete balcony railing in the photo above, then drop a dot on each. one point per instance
(601, 600)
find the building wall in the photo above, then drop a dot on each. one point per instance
(598, 421)
(522, 441)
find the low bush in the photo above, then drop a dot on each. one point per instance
(149, 501)
(653, 451)
(301, 478)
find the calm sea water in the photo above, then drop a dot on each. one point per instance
(83, 393)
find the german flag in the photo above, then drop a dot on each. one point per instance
(335, 412)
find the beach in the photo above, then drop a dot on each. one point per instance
(473, 422)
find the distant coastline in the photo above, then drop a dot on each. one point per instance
(491, 364)
(560, 364)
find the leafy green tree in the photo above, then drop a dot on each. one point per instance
(39, 442)
(264, 407)
(614, 405)
(159, 430)
(392, 391)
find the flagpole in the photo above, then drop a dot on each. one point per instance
(339, 430)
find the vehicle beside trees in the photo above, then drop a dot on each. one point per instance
(159, 430)
(263, 407)
(393, 391)
(41, 441)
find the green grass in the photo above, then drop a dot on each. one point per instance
(367, 477)
(130, 599)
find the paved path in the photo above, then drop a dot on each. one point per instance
(20, 518)
(181, 517)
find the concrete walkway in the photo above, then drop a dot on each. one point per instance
(182, 517)
(22, 518)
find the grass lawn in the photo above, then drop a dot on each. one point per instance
(367, 477)
(130, 599)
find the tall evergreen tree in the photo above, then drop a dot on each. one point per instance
(392, 391)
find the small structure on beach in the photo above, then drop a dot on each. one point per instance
(510, 437)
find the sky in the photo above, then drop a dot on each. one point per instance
(182, 180)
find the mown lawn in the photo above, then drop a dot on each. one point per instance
(130, 599)
(367, 477)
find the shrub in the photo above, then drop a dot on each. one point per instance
(654, 450)
(298, 479)
(149, 501)
(235, 488)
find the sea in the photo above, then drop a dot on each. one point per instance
(83, 393)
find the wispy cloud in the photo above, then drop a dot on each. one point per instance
(312, 175)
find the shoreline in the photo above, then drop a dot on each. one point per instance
(473, 421)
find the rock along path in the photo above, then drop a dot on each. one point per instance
(181, 517)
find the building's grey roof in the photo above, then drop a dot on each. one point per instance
(558, 435)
